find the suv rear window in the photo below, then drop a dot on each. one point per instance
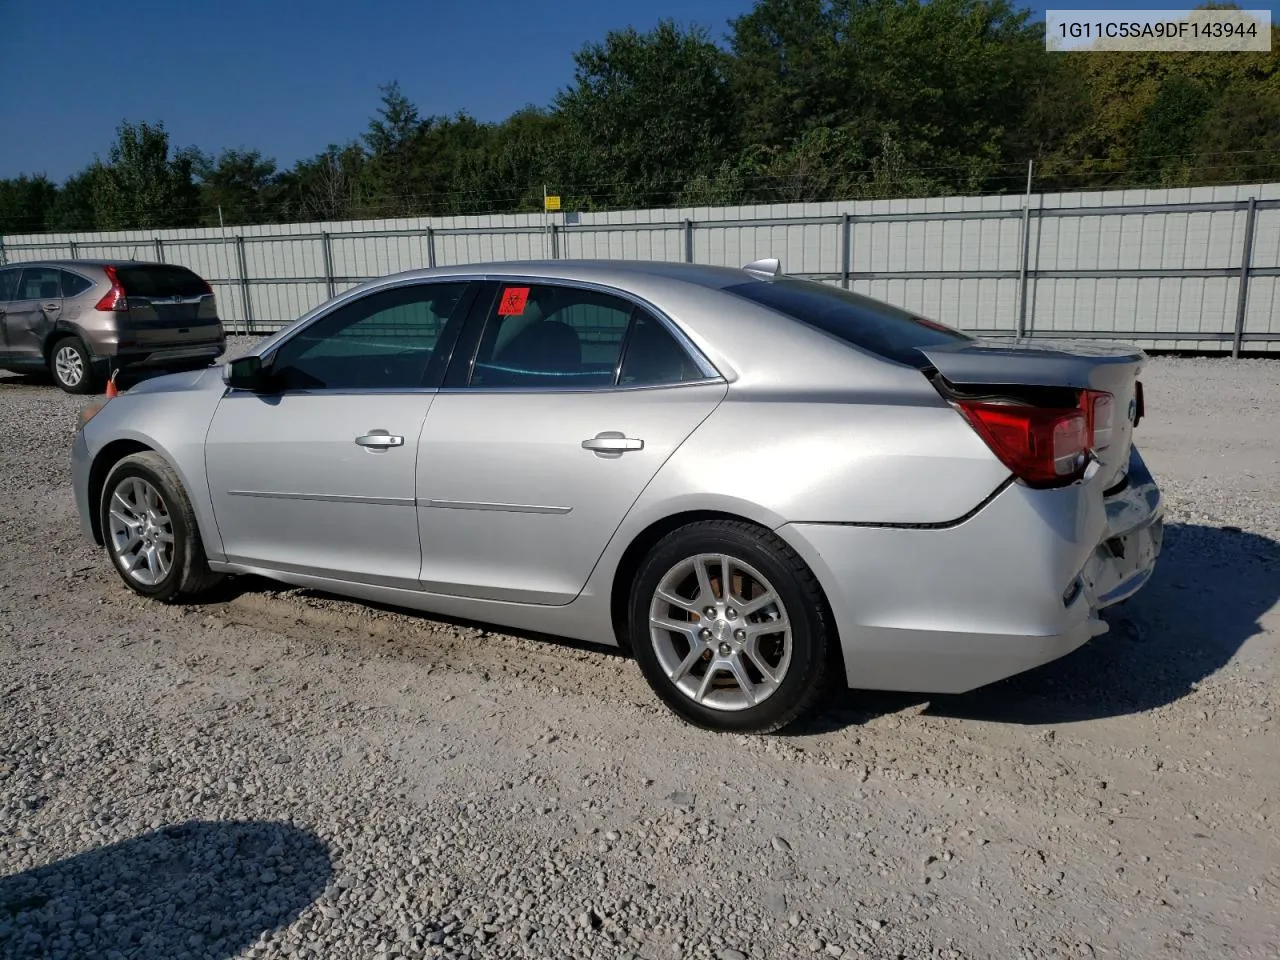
(875, 326)
(160, 281)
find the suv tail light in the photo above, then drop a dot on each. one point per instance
(1043, 446)
(115, 298)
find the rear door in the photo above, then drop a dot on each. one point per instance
(32, 313)
(168, 305)
(535, 450)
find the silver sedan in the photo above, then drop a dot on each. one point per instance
(751, 482)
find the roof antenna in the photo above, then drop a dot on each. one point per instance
(765, 269)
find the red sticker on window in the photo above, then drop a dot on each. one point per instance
(513, 301)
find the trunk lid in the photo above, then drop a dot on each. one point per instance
(991, 364)
(168, 305)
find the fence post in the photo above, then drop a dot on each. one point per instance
(1246, 256)
(159, 245)
(328, 264)
(75, 249)
(431, 247)
(555, 241)
(244, 285)
(1024, 256)
(846, 251)
(688, 241)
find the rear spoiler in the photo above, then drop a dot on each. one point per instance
(1079, 364)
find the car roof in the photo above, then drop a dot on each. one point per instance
(611, 272)
(87, 262)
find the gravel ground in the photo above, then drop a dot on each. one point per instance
(277, 773)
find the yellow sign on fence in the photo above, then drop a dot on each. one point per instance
(551, 203)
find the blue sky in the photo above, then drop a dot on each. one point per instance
(284, 76)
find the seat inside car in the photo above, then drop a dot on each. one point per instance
(541, 348)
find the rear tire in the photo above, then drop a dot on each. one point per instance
(749, 659)
(72, 367)
(150, 533)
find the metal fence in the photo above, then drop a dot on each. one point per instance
(1191, 269)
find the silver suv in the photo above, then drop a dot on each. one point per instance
(83, 319)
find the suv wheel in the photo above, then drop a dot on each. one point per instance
(71, 367)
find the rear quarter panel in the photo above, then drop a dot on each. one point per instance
(857, 460)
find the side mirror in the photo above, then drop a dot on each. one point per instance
(247, 373)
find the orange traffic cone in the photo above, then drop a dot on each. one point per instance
(111, 385)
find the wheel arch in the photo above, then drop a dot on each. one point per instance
(633, 555)
(106, 458)
(60, 331)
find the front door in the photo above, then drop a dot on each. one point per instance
(575, 400)
(318, 475)
(8, 291)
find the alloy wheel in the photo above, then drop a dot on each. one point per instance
(720, 631)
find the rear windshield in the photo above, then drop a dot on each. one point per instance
(872, 325)
(158, 281)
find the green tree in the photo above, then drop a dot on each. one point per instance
(645, 113)
(239, 186)
(330, 186)
(1171, 117)
(143, 186)
(949, 82)
(26, 204)
(393, 145)
(73, 208)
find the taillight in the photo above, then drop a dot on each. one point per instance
(115, 299)
(1044, 446)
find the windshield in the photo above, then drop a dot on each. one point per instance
(872, 325)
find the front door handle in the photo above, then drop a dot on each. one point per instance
(379, 440)
(612, 443)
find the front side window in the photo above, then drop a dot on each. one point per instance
(386, 340)
(39, 283)
(9, 284)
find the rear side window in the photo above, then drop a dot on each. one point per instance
(154, 280)
(872, 325)
(8, 284)
(39, 283)
(73, 284)
(652, 356)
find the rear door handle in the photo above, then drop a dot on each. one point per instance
(612, 442)
(379, 440)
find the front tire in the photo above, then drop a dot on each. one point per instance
(730, 627)
(71, 366)
(149, 530)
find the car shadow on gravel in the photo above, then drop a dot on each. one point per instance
(1210, 588)
(199, 889)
